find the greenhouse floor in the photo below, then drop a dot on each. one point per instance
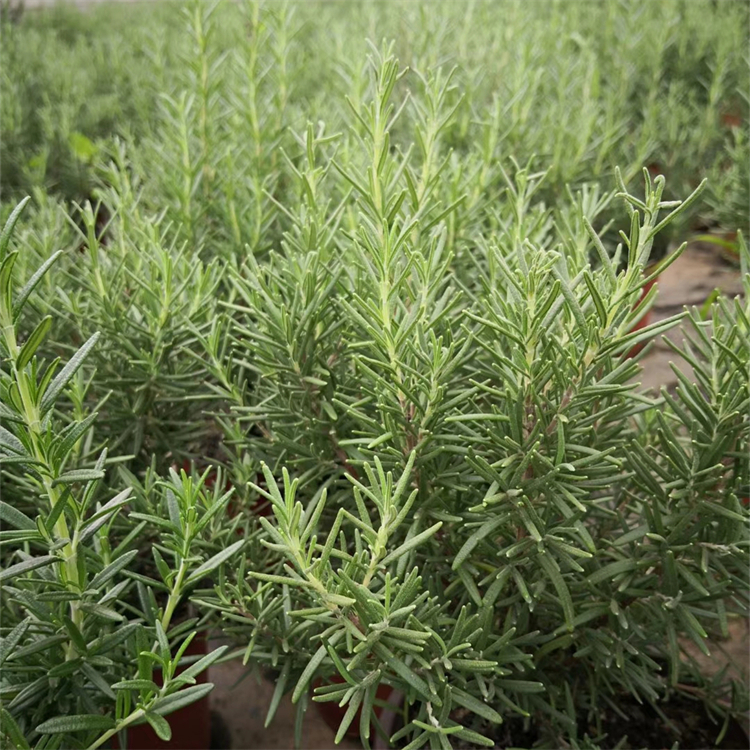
(240, 705)
(688, 281)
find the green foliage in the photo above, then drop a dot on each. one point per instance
(359, 339)
(147, 295)
(487, 513)
(582, 88)
(730, 186)
(68, 84)
(77, 610)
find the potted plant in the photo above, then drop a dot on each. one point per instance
(409, 356)
(146, 297)
(473, 503)
(91, 644)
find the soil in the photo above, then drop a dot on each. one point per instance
(241, 700)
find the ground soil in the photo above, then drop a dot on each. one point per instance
(240, 703)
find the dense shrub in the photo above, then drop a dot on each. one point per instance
(472, 500)
(395, 310)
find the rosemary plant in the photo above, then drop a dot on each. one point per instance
(84, 629)
(396, 309)
(146, 293)
(472, 502)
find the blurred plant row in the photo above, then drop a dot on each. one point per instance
(581, 89)
(337, 356)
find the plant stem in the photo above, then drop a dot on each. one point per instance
(137, 714)
(174, 596)
(69, 564)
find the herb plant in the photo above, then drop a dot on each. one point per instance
(472, 501)
(350, 362)
(84, 630)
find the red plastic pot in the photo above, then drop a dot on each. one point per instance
(191, 726)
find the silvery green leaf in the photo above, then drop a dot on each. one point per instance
(77, 723)
(64, 376)
(27, 565)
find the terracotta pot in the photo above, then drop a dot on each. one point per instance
(191, 725)
(731, 120)
(332, 714)
(644, 321)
